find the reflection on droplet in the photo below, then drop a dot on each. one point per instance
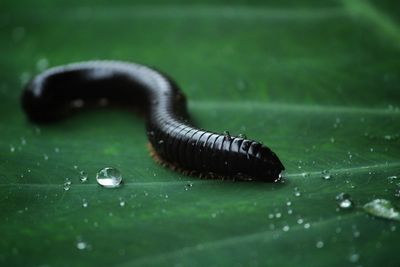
(85, 204)
(109, 177)
(344, 201)
(382, 208)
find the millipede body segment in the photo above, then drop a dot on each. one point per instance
(49, 95)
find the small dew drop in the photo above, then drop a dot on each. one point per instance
(319, 244)
(67, 184)
(23, 141)
(85, 204)
(307, 226)
(12, 148)
(77, 103)
(344, 201)
(354, 257)
(82, 245)
(121, 203)
(297, 192)
(286, 228)
(326, 175)
(83, 176)
(188, 186)
(42, 64)
(305, 174)
(45, 157)
(109, 177)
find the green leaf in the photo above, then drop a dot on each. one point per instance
(317, 81)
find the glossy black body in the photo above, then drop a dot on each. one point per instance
(49, 95)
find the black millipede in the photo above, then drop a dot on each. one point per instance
(48, 97)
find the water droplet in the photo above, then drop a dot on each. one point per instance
(382, 208)
(56, 149)
(344, 201)
(45, 157)
(81, 245)
(354, 257)
(307, 225)
(77, 103)
(67, 184)
(188, 186)
(122, 203)
(109, 177)
(300, 221)
(23, 141)
(25, 77)
(160, 142)
(319, 244)
(286, 228)
(83, 176)
(305, 174)
(42, 64)
(332, 139)
(297, 192)
(278, 215)
(12, 148)
(289, 203)
(85, 204)
(326, 175)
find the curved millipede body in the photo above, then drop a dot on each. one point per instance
(49, 95)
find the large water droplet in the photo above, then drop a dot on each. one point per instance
(382, 208)
(344, 201)
(109, 177)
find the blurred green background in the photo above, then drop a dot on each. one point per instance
(317, 81)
